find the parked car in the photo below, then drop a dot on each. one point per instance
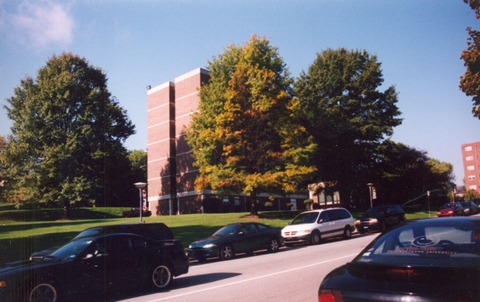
(450, 209)
(379, 218)
(93, 266)
(155, 231)
(477, 202)
(313, 226)
(135, 212)
(469, 207)
(236, 238)
(420, 260)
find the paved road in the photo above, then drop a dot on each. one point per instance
(292, 274)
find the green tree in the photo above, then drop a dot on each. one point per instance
(470, 81)
(346, 114)
(471, 194)
(67, 137)
(246, 136)
(401, 173)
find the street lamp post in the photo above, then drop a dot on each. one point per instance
(370, 185)
(428, 200)
(140, 186)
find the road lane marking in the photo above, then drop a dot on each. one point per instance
(249, 279)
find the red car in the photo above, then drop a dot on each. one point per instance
(450, 209)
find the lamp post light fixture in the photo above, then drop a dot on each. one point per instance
(140, 186)
(370, 185)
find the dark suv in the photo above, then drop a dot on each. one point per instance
(154, 231)
(379, 218)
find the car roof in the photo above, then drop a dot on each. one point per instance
(321, 210)
(446, 220)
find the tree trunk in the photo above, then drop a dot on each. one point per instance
(253, 208)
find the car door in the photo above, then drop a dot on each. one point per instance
(247, 238)
(325, 224)
(112, 262)
(391, 216)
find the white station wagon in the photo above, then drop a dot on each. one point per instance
(313, 226)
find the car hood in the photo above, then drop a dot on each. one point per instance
(212, 239)
(20, 266)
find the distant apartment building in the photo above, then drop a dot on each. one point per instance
(471, 165)
(170, 171)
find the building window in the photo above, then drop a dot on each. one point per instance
(471, 177)
(468, 158)
(473, 187)
(470, 168)
(468, 148)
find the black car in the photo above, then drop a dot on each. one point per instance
(477, 202)
(236, 238)
(155, 231)
(91, 267)
(380, 218)
(419, 260)
(470, 208)
(135, 212)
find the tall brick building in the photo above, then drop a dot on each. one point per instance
(171, 175)
(471, 165)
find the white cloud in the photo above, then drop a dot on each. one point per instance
(41, 23)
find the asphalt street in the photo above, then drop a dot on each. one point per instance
(292, 274)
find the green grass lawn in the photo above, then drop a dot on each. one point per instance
(23, 232)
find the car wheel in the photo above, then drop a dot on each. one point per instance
(161, 276)
(44, 292)
(315, 239)
(347, 232)
(273, 245)
(226, 252)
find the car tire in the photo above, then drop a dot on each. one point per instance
(160, 276)
(347, 232)
(47, 291)
(226, 252)
(273, 245)
(315, 239)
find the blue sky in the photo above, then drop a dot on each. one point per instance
(145, 42)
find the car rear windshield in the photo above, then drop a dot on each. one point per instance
(454, 244)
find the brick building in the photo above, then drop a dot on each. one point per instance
(171, 175)
(471, 165)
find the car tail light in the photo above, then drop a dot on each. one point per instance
(326, 295)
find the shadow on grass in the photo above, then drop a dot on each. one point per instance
(20, 248)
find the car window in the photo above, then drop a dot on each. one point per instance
(138, 243)
(90, 232)
(392, 210)
(72, 249)
(341, 214)
(118, 244)
(226, 230)
(251, 228)
(325, 217)
(442, 245)
(262, 227)
(309, 217)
